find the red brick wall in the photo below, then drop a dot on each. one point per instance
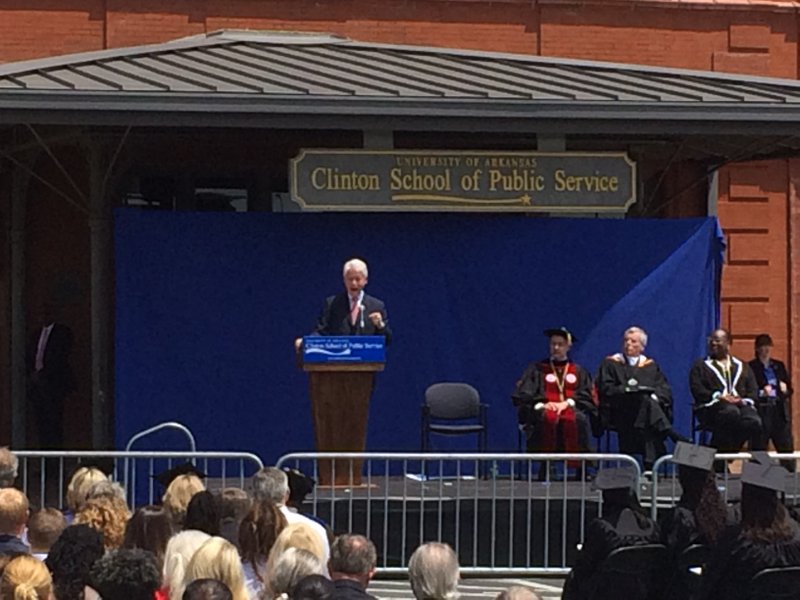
(761, 39)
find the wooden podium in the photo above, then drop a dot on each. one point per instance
(340, 394)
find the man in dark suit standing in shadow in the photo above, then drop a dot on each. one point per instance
(353, 312)
(51, 378)
(774, 395)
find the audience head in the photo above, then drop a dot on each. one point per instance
(126, 574)
(180, 549)
(288, 568)
(314, 587)
(259, 530)
(701, 495)
(13, 511)
(207, 589)
(107, 489)
(270, 484)
(234, 504)
(44, 528)
(434, 572)
(353, 557)
(618, 485)
(202, 513)
(178, 495)
(218, 559)
(149, 529)
(764, 518)
(107, 515)
(26, 578)
(518, 592)
(297, 535)
(9, 464)
(71, 558)
(7, 558)
(80, 483)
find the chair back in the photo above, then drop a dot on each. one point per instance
(782, 583)
(631, 573)
(452, 401)
(685, 583)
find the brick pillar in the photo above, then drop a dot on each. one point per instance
(793, 361)
(753, 210)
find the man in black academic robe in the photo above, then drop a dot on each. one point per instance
(725, 392)
(774, 395)
(635, 399)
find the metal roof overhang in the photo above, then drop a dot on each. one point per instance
(290, 80)
(437, 114)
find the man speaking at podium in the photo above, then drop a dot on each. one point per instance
(353, 312)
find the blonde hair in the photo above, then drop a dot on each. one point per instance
(180, 549)
(13, 510)
(218, 559)
(26, 578)
(78, 488)
(109, 516)
(297, 535)
(179, 493)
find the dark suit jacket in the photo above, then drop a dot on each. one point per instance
(347, 589)
(56, 375)
(780, 372)
(335, 317)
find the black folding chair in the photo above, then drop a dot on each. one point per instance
(684, 582)
(782, 583)
(632, 573)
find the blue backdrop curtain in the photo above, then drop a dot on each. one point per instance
(208, 306)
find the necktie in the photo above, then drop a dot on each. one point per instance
(39, 365)
(354, 310)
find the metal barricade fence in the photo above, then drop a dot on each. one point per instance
(665, 491)
(43, 474)
(502, 513)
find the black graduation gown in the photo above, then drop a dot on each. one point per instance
(603, 536)
(736, 559)
(641, 412)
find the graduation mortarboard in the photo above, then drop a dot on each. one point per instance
(762, 472)
(616, 478)
(693, 455)
(300, 484)
(168, 476)
(563, 332)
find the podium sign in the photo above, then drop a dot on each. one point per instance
(344, 349)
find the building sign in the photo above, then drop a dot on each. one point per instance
(435, 180)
